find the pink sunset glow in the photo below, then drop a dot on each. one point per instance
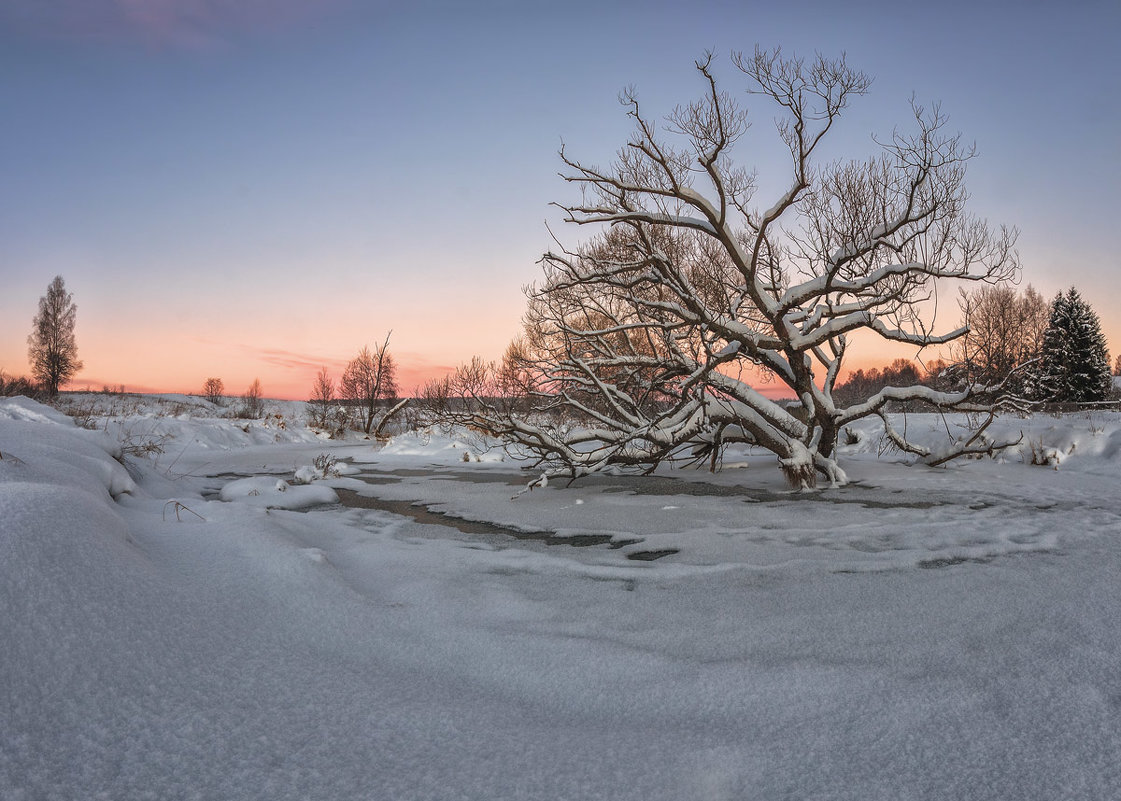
(249, 189)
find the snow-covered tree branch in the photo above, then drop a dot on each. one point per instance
(640, 344)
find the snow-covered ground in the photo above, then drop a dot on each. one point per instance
(198, 624)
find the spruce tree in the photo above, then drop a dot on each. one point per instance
(1074, 360)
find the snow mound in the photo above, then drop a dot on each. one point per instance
(29, 411)
(325, 467)
(458, 445)
(61, 453)
(275, 493)
(1087, 441)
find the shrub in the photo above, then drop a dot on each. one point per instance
(17, 385)
(251, 405)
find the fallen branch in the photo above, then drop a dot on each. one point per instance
(985, 448)
(389, 416)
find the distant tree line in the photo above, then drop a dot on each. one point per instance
(1017, 345)
(1020, 345)
(863, 384)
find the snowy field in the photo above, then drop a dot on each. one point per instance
(217, 621)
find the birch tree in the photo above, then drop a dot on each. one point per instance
(51, 348)
(651, 339)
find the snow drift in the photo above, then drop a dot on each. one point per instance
(245, 652)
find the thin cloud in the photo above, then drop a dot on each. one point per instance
(413, 369)
(158, 24)
(292, 360)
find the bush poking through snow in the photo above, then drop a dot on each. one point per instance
(323, 466)
(143, 444)
(1044, 455)
(84, 411)
(17, 385)
(326, 464)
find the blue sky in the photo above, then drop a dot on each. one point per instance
(259, 188)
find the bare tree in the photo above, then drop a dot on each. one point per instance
(490, 397)
(212, 390)
(368, 379)
(1005, 330)
(434, 401)
(650, 339)
(1117, 365)
(322, 399)
(251, 406)
(51, 347)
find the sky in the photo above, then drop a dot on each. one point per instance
(258, 188)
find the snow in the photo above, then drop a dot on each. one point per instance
(276, 493)
(923, 633)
